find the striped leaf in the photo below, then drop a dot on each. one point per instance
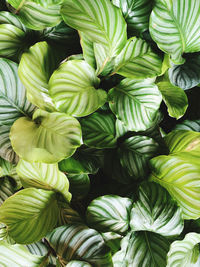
(13, 105)
(101, 21)
(41, 142)
(185, 252)
(137, 60)
(67, 215)
(79, 184)
(18, 255)
(135, 103)
(12, 19)
(78, 242)
(135, 153)
(189, 125)
(35, 16)
(18, 4)
(78, 264)
(110, 213)
(6, 189)
(180, 20)
(72, 88)
(112, 240)
(88, 50)
(35, 69)
(136, 14)
(155, 211)
(142, 249)
(180, 176)
(175, 99)
(186, 76)
(29, 214)
(44, 176)
(99, 130)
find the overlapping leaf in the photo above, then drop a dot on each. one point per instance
(88, 49)
(189, 125)
(135, 103)
(29, 214)
(41, 142)
(79, 184)
(6, 189)
(72, 88)
(44, 176)
(13, 105)
(174, 26)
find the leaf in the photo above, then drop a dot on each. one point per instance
(13, 105)
(110, 213)
(44, 176)
(88, 50)
(72, 88)
(18, 255)
(142, 249)
(41, 142)
(135, 153)
(179, 20)
(6, 189)
(135, 103)
(67, 215)
(136, 14)
(29, 214)
(186, 76)
(92, 18)
(78, 264)
(189, 125)
(185, 252)
(78, 242)
(174, 98)
(155, 211)
(180, 176)
(99, 130)
(79, 184)
(35, 69)
(137, 60)
(11, 19)
(18, 4)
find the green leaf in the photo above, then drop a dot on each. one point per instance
(136, 14)
(72, 88)
(174, 98)
(110, 213)
(12, 19)
(41, 142)
(186, 76)
(78, 242)
(88, 50)
(92, 18)
(189, 125)
(135, 103)
(67, 215)
(29, 214)
(142, 249)
(79, 184)
(35, 69)
(180, 176)
(18, 4)
(180, 20)
(137, 60)
(99, 130)
(185, 252)
(44, 176)
(78, 264)
(155, 211)
(6, 189)
(18, 255)
(135, 153)
(13, 105)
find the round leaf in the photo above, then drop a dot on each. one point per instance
(50, 138)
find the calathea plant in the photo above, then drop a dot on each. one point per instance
(99, 133)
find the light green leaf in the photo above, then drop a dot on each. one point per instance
(78, 264)
(110, 213)
(18, 256)
(6, 189)
(135, 153)
(72, 88)
(18, 4)
(136, 14)
(43, 143)
(88, 49)
(135, 103)
(12, 19)
(137, 60)
(13, 105)
(185, 253)
(180, 20)
(35, 69)
(175, 99)
(99, 130)
(44, 176)
(189, 125)
(78, 242)
(180, 176)
(92, 18)
(29, 214)
(142, 249)
(155, 211)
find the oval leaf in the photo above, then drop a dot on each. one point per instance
(41, 142)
